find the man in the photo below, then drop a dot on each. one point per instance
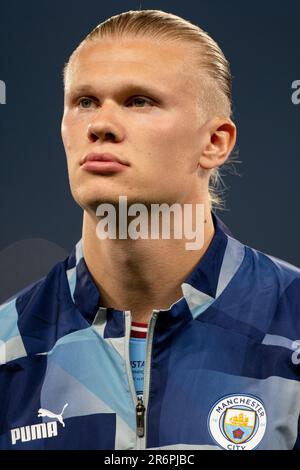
(139, 342)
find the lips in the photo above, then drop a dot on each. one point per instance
(101, 157)
(102, 163)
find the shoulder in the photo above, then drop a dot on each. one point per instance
(271, 271)
(265, 293)
(25, 315)
(258, 272)
(29, 296)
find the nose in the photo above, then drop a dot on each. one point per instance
(105, 127)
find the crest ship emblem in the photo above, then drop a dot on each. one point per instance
(238, 422)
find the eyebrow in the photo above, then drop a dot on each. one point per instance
(124, 88)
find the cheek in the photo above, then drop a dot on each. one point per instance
(175, 142)
(71, 131)
(69, 142)
(65, 131)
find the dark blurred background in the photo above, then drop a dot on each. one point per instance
(40, 222)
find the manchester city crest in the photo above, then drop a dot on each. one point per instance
(238, 422)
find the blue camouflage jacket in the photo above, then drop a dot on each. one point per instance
(221, 365)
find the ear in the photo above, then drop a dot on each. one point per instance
(219, 140)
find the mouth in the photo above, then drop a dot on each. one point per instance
(102, 163)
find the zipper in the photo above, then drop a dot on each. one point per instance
(140, 418)
(140, 404)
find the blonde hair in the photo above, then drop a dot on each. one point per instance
(216, 94)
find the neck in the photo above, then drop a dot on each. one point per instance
(140, 275)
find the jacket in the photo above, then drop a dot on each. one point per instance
(221, 364)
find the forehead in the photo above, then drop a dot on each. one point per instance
(169, 64)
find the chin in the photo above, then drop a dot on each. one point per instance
(89, 198)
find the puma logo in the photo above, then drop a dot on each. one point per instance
(42, 412)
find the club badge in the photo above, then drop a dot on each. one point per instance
(238, 422)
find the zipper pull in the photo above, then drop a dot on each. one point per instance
(140, 413)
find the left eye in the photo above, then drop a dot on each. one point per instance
(85, 102)
(139, 100)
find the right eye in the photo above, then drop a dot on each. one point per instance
(85, 103)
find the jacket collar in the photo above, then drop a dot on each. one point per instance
(200, 289)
